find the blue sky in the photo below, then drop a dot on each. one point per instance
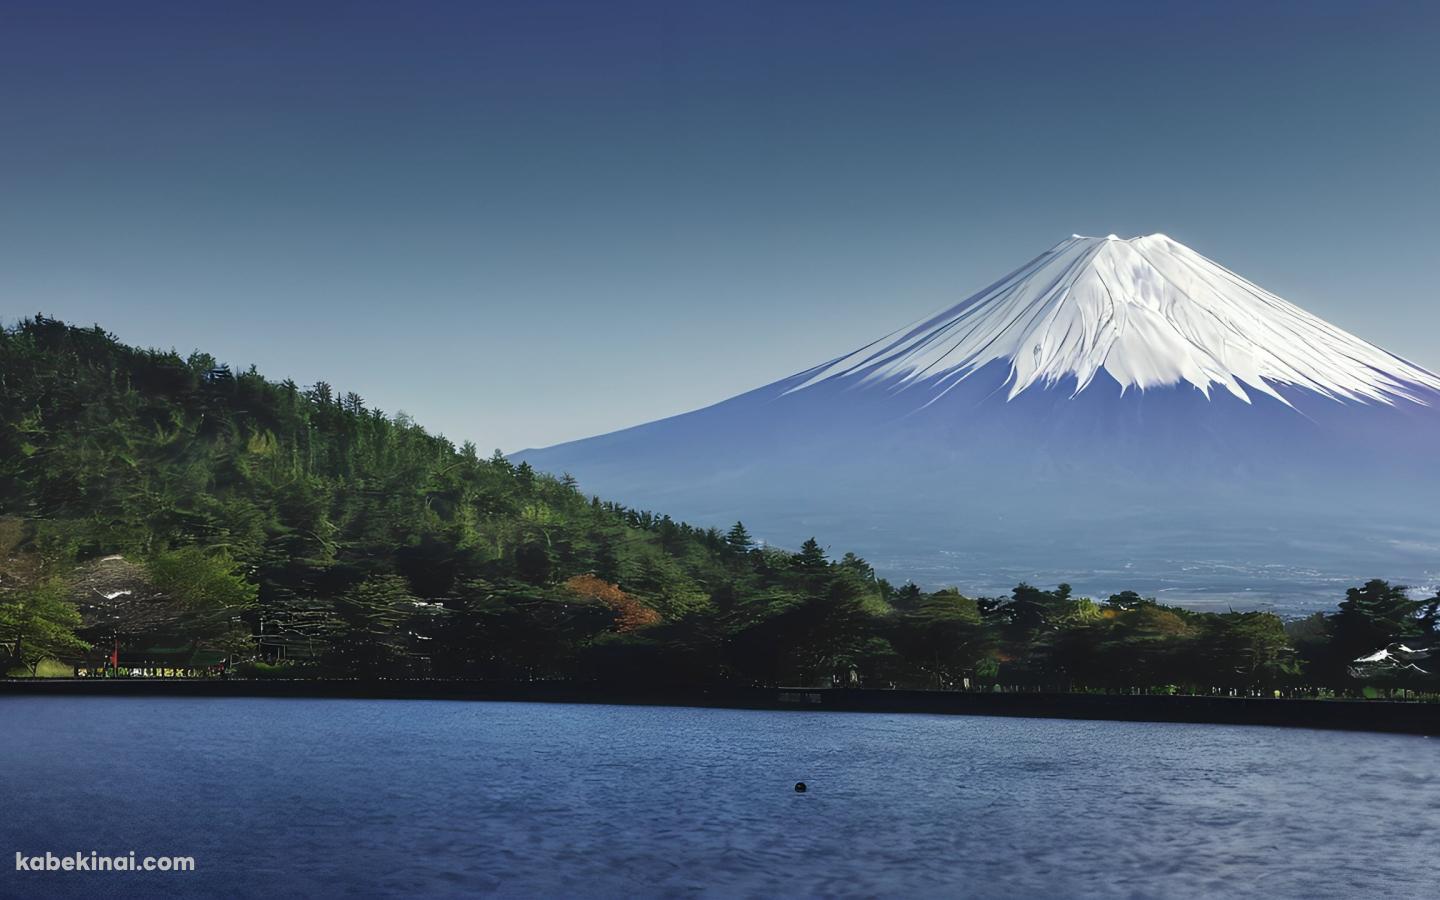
(525, 223)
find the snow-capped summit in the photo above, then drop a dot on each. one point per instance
(1116, 413)
(1147, 312)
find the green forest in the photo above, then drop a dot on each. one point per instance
(168, 514)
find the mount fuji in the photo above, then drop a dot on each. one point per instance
(1114, 413)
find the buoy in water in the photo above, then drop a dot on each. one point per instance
(800, 787)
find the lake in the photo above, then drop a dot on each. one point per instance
(307, 798)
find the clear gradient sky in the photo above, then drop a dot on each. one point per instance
(529, 222)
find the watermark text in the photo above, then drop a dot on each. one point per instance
(94, 861)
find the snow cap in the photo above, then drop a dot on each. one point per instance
(1146, 312)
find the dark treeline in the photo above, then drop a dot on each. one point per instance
(169, 513)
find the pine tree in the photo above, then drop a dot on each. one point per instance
(811, 556)
(738, 539)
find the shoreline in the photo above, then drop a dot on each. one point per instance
(1390, 716)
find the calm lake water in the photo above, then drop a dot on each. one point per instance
(307, 798)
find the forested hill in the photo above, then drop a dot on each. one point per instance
(112, 449)
(341, 517)
(160, 511)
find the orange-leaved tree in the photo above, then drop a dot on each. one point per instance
(630, 613)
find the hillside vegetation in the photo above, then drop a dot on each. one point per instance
(299, 531)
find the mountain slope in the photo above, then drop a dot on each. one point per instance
(1110, 407)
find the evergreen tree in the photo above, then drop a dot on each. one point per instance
(1371, 618)
(811, 557)
(738, 539)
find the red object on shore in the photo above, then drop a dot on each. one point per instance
(115, 655)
